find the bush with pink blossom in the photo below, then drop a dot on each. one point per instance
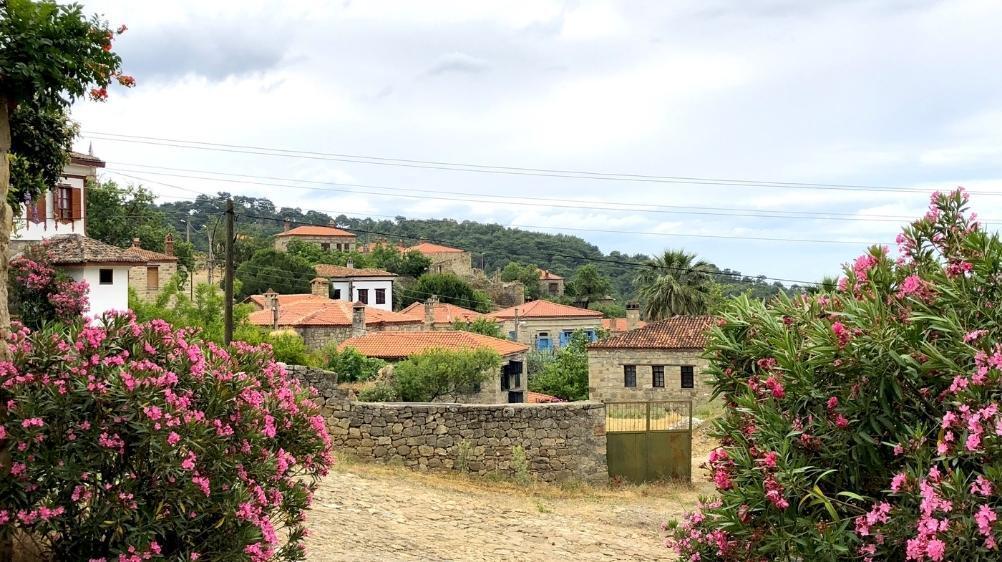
(40, 293)
(864, 423)
(126, 441)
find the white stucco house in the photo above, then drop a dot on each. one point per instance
(372, 287)
(105, 268)
(61, 209)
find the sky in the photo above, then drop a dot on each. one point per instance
(878, 94)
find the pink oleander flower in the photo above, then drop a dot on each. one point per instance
(832, 403)
(776, 387)
(842, 334)
(981, 486)
(841, 422)
(898, 482)
(769, 459)
(935, 550)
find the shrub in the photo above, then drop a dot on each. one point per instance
(864, 423)
(483, 326)
(40, 294)
(436, 373)
(125, 439)
(566, 376)
(349, 364)
(289, 348)
(379, 392)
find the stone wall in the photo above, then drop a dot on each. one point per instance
(347, 243)
(451, 262)
(138, 279)
(606, 383)
(561, 441)
(530, 328)
(316, 337)
(325, 382)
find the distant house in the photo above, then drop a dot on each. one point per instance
(61, 209)
(105, 268)
(507, 387)
(261, 302)
(619, 325)
(445, 259)
(439, 315)
(149, 278)
(661, 361)
(373, 287)
(324, 321)
(546, 325)
(327, 237)
(550, 283)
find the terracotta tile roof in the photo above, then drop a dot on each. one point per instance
(394, 345)
(547, 276)
(316, 231)
(149, 255)
(540, 398)
(286, 299)
(70, 249)
(86, 159)
(619, 324)
(678, 332)
(326, 270)
(544, 309)
(328, 313)
(429, 248)
(445, 313)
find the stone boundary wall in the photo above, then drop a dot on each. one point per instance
(561, 441)
(325, 383)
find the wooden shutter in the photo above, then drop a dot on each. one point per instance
(76, 203)
(37, 212)
(153, 278)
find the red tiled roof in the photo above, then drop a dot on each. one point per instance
(327, 270)
(309, 312)
(429, 248)
(316, 231)
(445, 313)
(540, 398)
(72, 249)
(287, 299)
(149, 255)
(544, 309)
(619, 324)
(86, 159)
(678, 332)
(547, 276)
(394, 345)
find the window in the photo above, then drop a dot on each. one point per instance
(658, 376)
(630, 376)
(338, 246)
(326, 246)
(363, 296)
(554, 288)
(516, 397)
(106, 276)
(511, 335)
(64, 203)
(153, 278)
(337, 294)
(543, 341)
(505, 385)
(380, 296)
(688, 379)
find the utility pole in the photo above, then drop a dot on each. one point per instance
(209, 259)
(228, 275)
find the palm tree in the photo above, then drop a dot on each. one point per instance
(675, 283)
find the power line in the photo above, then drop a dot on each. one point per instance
(490, 169)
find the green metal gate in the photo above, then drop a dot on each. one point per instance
(647, 441)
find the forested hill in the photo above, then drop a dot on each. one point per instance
(492, 245)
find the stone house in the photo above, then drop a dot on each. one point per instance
(149, 278)
(327, 237)
(445, 259)
(507, 387)
(324, 321)
(105, 268)
(661, 361)
(61, 209)
(619, 325)
(372, 287)
(439, 315)
(550, 284)
(546, 325)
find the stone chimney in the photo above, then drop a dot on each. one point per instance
(271, 303)
(357, 319)
(285, 225)
(350, 264)
(135, 243)
(632, 315)
(429, 312)
(320, 287)
(169, 244)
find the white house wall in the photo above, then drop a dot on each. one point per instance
(104, 298)
(371, 285)
(29, 231)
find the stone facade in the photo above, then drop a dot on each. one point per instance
(606, 375)
(532, 329)
(332, 243)
(149, 279)
(460, 263)
(316, 337)
(561, 441)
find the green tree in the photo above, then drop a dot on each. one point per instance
(49, 56)
(588, 285)
(527, 274)
(279, 271)
(439, 373)
(349, 364)
(450, 288)
(610, 309)
(675, 283)
(204, 312)
(566, 376)
(484, 326)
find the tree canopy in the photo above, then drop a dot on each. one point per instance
(270, 269)
(588, 285)
(526, 274)
(675, 283)
(450, 288)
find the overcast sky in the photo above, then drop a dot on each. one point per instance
(893, 93)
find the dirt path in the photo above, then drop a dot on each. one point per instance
(366, 512)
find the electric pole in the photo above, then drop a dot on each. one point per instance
(228, 275)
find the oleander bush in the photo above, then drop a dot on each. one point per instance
(863, 423)
(129, 441)
(39, 293)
